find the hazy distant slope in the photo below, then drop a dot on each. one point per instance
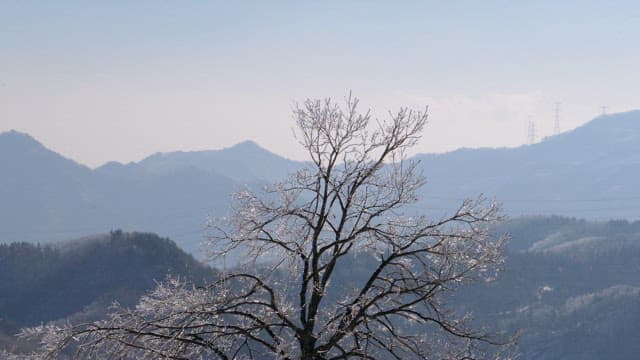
(174, 203)
(46, 197)
(38, 188)
(592, 172)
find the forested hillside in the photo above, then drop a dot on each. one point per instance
(81, 278)
(570, 287)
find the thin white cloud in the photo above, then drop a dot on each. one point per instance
(464, 120)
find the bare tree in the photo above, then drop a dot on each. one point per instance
(290, 296)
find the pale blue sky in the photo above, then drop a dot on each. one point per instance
(118, 80)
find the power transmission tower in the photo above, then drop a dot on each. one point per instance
(531, 135)
(604, 110)
(556, 122)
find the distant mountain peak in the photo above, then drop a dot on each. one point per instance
(21, 151)
(16, 134)
(13, 138)
(243, 147)
(627, 119)
(602, 131)
(246, 148)
(247, 144)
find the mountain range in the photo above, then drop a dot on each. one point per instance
(47, 197)
(589, 172)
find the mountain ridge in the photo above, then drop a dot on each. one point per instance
(242, 162)
(624, 122)
(595, 162)
(589, 172)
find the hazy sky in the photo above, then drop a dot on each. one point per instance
(118, 80)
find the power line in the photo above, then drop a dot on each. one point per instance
(631, 198)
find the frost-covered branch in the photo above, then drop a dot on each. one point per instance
(297, 239)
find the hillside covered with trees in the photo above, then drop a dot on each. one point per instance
(80, 279)
(570, 288)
